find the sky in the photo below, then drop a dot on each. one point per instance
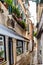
(32, 10)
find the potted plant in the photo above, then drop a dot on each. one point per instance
(9, 2)
(1, 54)
(16, 11)
(22, 24)
(9, 5)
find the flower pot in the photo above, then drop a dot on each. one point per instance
(19, 19)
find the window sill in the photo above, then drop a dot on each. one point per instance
(3, 62)
(19, 57)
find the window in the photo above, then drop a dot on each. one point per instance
(19, 7)
(19, 47)
(33, 45)
(26, 1)
(23, 15)
(15, 2)
(10, 9)
(27, 46)
(2, 49)
(40, 52)
(27, 28)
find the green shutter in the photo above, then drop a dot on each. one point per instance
(26, 1)
(28, 28)
(19, 7)
(37, 1)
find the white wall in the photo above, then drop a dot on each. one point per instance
(42, 46)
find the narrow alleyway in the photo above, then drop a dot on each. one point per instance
(21, 32)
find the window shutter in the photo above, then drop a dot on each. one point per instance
(26, 1)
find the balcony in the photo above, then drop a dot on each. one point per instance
(20, 21)
(16, 15)
(14, 11)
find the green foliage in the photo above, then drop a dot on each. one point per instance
(35, 33)
(1, 53)
(14, 8)
(16, 11)
(22, 24)
(9, 2)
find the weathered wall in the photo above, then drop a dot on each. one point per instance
(40, 8)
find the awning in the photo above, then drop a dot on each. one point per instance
(8, 32)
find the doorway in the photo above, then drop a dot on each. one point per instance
(10, 47)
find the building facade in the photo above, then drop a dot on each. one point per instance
(40, 34)
(15, 40)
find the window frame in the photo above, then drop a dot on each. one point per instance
(10, 51)
(26, 1)
(27, 46)
(4, 47)
(19, 47)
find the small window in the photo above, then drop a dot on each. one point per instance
(19, 47)
(15, 2)
(40, 52)
(26, 1)
(27, 28)
(27, 46)
(2, 49)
